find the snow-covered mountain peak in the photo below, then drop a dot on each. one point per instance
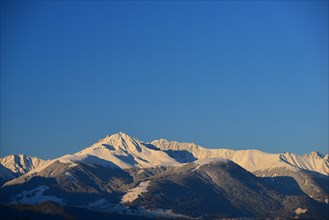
(119, 143)
(119, 136)
(120, 150)
(315, 155)
(18, 164)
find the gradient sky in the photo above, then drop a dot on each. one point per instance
(221, 74)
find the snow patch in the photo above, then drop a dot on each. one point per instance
(300, 211)
(134, 193)
(69, 176)
(35, 196)
(140, 172)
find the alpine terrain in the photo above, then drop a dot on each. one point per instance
(122, 177)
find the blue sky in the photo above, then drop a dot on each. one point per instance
(239, 75)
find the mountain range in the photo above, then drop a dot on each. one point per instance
(123, 176)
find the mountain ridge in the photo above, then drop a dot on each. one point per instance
(125, 151)
(161, 179)
(12, 166)
(252, 159)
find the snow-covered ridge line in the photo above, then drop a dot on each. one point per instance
(252, 160)
(123, 151)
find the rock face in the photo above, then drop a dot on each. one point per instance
(122, 175)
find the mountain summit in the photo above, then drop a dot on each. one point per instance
(120, 150)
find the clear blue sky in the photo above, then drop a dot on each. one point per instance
(221, 74)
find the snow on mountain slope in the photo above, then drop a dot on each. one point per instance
(134, 193)
(120, 150)
(252, 160)
(13, 166)
(313, 161)
(35, 196)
